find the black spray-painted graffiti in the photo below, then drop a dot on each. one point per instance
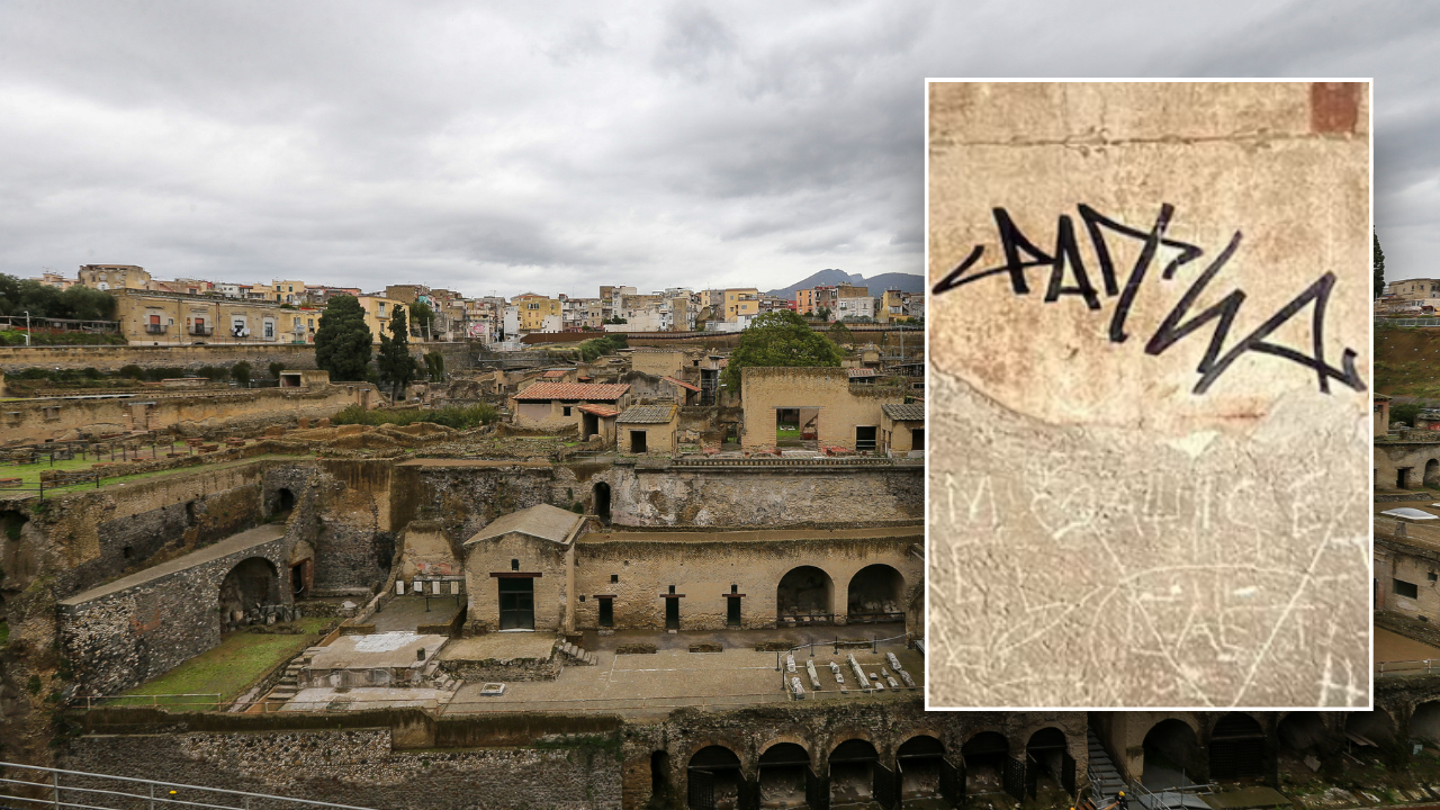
(1021, 255)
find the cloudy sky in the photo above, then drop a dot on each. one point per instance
(555, 147)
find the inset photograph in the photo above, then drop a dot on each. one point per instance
(1150, 394)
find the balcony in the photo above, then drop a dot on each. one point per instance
(202, 331)
(156, 328)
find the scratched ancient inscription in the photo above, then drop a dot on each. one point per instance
(1148, 404)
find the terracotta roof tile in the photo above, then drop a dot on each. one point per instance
(682, 384)
(594, 393)
(599, 410)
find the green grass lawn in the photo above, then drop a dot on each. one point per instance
(227, 670)
(787, 432)
(30, 473)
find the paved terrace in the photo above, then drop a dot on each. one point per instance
(916, 531)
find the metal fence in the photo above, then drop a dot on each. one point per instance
(1429, 666)
(31, 786)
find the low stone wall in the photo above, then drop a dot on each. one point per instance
(360, 767)
(258, 355)
(513, 670)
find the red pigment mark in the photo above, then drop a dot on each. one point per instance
(1334, 106)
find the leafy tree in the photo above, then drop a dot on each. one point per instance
(840, 333)
(823, 313)
(422, 317)
(240, 372)
(343, 341)
(435, 366)
(275, 369)
(1379, 268)
(396, 366)
(779, 338)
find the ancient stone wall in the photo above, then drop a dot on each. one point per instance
(121, 638)
(360, 767)
(704, 567)
(260, 356)
(34, 421)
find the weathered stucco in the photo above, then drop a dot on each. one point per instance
(1121, 515)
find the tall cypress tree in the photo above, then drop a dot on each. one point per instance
(1379, 268)
(343, 341)
(397, 367)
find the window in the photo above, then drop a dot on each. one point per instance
(614, 578)
(269, 330)
(1406, 589)
(514, 565)
(567, 410)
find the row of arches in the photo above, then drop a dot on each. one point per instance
(854, 773)
(806, 595)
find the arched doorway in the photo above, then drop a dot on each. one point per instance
(1301, 733)
(856, 775)
(1373, 728)
(1237, 748)
(1172, 756)
(1425, 722)
(786, 778)
(250, 585)
(923, 772)
(804, 596)
(714, 779)
(602, 501)
(985, 756)
(1048, 764)
(877, 594)
(1432, 473)
(284, 501)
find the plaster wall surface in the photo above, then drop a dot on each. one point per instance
(1131, 505)
(842, 407)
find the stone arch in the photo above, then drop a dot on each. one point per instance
(251, 584)
(1425, 721)
(783, 775)
(876, 593)
(1047, 748)
(984, 755)
(805, 595)
(714, 772)
(283, 502)
(1238, 747)
(919, 767)
(1432, 473)
(1172, 755)
(1376, 727)
(855, 771)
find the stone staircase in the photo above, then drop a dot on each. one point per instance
(446, 682)
(289, 684)
(1105, 779)
(576, 656)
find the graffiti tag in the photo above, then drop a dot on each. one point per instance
(1070, 277)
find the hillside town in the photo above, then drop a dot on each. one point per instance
(188, 311)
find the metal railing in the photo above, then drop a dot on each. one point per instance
(57, 788)
(204, 702)
(1428, 666)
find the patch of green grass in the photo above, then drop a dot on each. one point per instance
(228, 669)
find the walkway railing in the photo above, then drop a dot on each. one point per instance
(1428, 666)
(56, 788)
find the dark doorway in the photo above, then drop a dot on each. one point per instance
(602, 501)
(637, 441)
(917, 438)
(1432, 473)
(865, 437)
(607, 611)
(876, 595)
(1045, 764)
(1237, 748)
(921, 768)
(732, 613)
(284, 501)
(672, 614)
(659, 776)
(784, 768)
(1402, 478)
(986, 756)
(1172, 756)
(855, 774)
(299, 577)
(517, 603)
(803, 597)
(251, 584)
(592, 426)
(715, 780)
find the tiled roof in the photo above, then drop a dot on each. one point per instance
(556, 373)
(647, 414)
(913, 412)
(682, 384)
(594, 393)
(861, 372)
(599, 410)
